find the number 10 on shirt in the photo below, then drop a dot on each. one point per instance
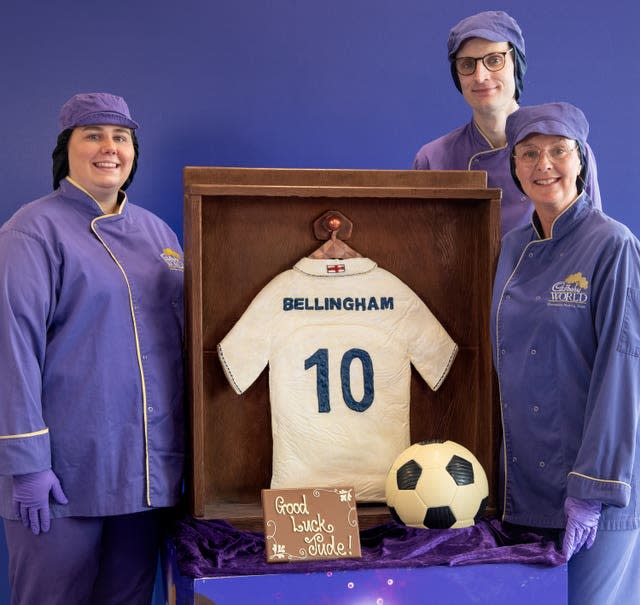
(320, 359)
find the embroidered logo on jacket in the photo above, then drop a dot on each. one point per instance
(570, 292)
(173, 259)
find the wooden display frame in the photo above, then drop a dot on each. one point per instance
(438, 231)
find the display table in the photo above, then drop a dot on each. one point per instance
(213, 562)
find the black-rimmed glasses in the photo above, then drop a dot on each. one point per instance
(495, 61)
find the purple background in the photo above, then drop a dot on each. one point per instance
(289, 83)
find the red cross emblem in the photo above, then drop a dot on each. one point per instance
(335, 268)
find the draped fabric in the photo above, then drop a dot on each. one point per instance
(209, 548)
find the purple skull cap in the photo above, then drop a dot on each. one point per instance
(496, 26)
(96, 108)
(558, 119)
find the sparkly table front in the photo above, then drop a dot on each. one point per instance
(213, 562)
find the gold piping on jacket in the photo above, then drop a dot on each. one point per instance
(138, 356)
(20, 435)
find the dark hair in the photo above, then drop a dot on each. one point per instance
(60, 158)
(581, 181)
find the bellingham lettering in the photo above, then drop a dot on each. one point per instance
(347, 303)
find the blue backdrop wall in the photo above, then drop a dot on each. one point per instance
(294, 83)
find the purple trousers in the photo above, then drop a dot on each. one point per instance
(85, 560)
(609, 572)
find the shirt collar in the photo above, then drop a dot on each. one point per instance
(72, 189)
(322, 267)
(481, 140)
(569, 218)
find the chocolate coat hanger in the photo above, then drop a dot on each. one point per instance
(335, 228)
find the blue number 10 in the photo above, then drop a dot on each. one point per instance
(320, 359)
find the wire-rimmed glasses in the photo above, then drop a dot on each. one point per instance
(557, 154)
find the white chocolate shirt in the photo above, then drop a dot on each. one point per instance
(339, 337)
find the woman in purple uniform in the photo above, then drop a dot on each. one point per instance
(91, 383)
(566, 345)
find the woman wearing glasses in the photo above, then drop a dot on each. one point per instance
(566, 343)
(487, 60)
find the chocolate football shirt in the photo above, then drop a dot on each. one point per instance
(339, 337)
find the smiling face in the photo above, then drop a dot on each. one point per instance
(551, 185)
(488, 92)
(100, 160)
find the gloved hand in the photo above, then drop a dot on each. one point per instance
(31, 498)
(582, 524)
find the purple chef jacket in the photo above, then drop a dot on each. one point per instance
(466, 148)
(91, 379)
(565, 328)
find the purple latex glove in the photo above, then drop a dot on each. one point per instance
(582, 524)
(31, 498)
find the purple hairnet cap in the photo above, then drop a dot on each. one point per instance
(495, 26)
(559, 119)
(96, 108)
(556, 119)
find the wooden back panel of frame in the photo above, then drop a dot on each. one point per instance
(438, 231)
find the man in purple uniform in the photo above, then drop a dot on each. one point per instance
(487, 59)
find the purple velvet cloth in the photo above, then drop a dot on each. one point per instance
(216, 548)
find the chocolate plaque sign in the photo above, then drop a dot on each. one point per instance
(310, 524)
